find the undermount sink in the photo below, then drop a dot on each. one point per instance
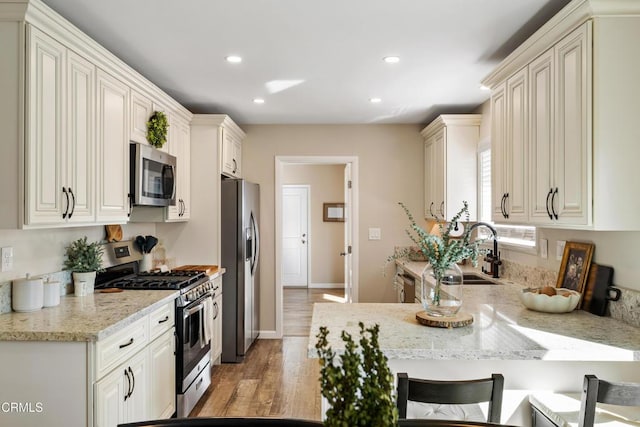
(475, 279)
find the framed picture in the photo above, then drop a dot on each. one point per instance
(574, 269)
(333, 212)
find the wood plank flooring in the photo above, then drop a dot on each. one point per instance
(276, 379)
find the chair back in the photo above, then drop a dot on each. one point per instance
(601, 391)
(452, 392)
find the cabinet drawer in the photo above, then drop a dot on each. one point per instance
(120, 346)
(160, 320)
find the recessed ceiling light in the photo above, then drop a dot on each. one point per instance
(483, 87)
(391, 59)
(234, 59)
(258, 101)
(375, 100)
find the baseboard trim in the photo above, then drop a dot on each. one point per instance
(326, 285)
(269, 335)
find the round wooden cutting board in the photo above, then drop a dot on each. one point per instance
(457, 321)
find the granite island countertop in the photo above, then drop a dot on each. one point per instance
(89, 318)
(503, 329)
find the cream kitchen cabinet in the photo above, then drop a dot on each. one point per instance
(180, 147)
(582, 116)
(509, 150)
(67, 113)
(216, 341)
(231, 151)
(561, 146)
(135, 370)
(112, 149)
(450, 150)
(141, 110)
(60, 143)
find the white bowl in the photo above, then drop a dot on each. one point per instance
(551, 304)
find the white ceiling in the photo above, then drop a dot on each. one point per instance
(314, 61)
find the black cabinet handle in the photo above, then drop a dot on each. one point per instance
(549, 195)
(180, 207)
(73, 198)
(235, 166)
(126, 396)
(215, 310)
(504, 214)
(163, 320)
(130, 204)
(506, 198)
(553, 199)
(127, 344)
(431, 209)
(133, 386)
(64, 214)
(442, 209)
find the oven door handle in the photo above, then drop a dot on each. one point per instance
(194, 310)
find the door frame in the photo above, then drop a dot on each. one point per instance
(280, 163)
(308, 188)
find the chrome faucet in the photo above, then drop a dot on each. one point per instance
(492, 258)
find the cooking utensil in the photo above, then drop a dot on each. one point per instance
(141, 242)
(151, 243)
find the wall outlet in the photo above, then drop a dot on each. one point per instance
(375, 234)
(543, 248)
(7, 258)
(560, 249)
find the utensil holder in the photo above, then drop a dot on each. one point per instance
(146, 263)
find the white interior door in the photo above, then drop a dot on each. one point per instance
(295, 236)
(348, 235)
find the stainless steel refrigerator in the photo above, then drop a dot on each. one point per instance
(240, 206)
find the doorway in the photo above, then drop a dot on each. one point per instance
(348, 247)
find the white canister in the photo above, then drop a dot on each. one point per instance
(80, 288)
(27, 294)
(51, 294)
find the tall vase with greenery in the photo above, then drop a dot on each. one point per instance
(358, 385)
(442, 278)
(84, 260)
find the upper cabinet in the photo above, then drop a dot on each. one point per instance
(70, 109)
(60, 141)
(113, 149)
(231, 150)
(564, 107)
(450, 165)
(180, 147)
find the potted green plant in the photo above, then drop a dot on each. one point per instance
(359, 389)
(157, 129)
(84, 259)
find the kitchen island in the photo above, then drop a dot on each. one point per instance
(534, 351)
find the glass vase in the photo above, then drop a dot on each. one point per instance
(442, 294)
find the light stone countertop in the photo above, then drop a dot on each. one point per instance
(89, 318)
(503, 329)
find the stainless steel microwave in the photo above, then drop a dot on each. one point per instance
(153, 176)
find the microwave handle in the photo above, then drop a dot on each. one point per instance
(167, 170)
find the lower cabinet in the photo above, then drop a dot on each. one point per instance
(142, 386)
(216, 341)
(162, 384)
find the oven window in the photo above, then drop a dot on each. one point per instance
(193, 345)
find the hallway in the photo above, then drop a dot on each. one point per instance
(277, 379)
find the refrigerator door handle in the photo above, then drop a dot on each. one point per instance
(256, 237)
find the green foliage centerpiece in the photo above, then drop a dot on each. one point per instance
(442, 279)
(359, 389)
(84, 259)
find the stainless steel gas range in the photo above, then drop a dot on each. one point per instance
(193, 308)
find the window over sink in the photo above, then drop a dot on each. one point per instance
(517, 237)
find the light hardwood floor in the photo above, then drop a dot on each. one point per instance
(276, 379)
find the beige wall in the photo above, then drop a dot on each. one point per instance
(326, 239)
(617, 249)
(390, 170)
